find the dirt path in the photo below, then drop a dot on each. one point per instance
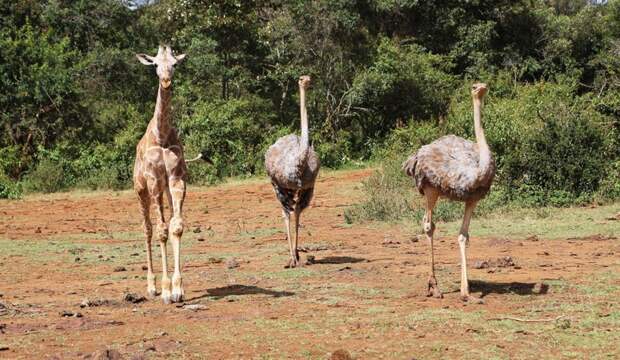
(364, 294)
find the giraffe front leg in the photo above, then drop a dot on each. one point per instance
(148, 233)
(162, 236)
(177, 194)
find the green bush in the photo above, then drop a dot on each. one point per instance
(48, 176)
(235, 133)
(9, 189)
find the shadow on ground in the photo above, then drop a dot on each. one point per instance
(519, 288)
(339, 260)
(222, 292)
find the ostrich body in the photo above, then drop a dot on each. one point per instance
(457, 169)
(293, 167)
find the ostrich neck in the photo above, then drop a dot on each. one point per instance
(161, 116)
(305, 136)
(483, 147)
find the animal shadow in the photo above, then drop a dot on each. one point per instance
(222, 292)
(338, 260)
(519, 288)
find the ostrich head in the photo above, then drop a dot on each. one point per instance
(304, 81)
(165, 62)
(478, 90)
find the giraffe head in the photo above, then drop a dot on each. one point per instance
(165, 62)
(478, 90)
(304, 81)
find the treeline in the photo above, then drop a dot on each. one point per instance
(388, 75)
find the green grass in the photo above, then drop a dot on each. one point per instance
(546, 223)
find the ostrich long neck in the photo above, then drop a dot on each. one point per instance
(305, 136)
(162, 114)
(483, 147)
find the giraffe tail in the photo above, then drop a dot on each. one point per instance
(203, 155)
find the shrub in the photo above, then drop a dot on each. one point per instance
(9, 189)
(236, 133)
(48, 176)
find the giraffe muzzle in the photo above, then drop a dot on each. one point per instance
(166, 83)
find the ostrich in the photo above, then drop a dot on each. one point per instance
(293, 166)
(457, 169)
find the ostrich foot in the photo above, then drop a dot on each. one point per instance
(292, 263)
(433, 289)
(470, 299)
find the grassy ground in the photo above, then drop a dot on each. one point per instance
(364, 294)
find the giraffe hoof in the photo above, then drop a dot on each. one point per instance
(151, 293)
(176, 298)
(472, 299)
(166, 299)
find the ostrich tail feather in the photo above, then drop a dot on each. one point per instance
(410, 164)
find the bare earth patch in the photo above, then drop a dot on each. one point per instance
(362, 296)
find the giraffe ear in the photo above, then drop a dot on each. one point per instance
(179, 57)
(145, 59)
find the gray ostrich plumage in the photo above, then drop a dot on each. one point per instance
(457, 169)
(451, 165)
(293, 167)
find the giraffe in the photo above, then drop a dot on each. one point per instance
(160, 168)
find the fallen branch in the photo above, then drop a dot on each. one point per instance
(527, 320)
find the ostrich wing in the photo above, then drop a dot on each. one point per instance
(449, 164)
(281, 163)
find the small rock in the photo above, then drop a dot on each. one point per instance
(197, 230)
(341, 355)
(77, 259)
(108, 354)
(481, 264)
(232, 263)
(96, 302)
(200, 239)
(66, 313)
(135, 254)
(213, 260)
(4, 348)
(133, 298)
(144, 267)
(539, 288)
(120, 268)
(505, 261)
(562, 324)
(194, 307)
(532, 238)
(37, 230)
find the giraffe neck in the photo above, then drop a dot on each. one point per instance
(161, 118)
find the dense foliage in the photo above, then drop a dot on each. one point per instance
(389, 75)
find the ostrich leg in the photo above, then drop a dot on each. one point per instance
(463, 240)
(429, 228)
(296, 241)
(177, 191)
(292, 251)
(145, 204)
